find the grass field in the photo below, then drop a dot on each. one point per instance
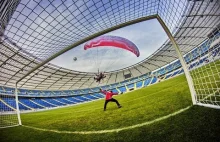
(154, 104)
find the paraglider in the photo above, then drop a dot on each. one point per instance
(113, 41)
(100, 76)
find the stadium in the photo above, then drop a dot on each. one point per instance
(170, 94)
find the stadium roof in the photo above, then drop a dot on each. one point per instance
(34, 32)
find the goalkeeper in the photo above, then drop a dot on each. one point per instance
(108, 98)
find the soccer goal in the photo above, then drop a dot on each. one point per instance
(9, 111)
(203, 77)
(206, 75)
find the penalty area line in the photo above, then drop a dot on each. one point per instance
(112, 130)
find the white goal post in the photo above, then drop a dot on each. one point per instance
(204, 80)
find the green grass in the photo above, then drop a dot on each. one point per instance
(146, 104)
(142, 105)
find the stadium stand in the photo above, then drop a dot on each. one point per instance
(57, 98)
(29, 103)
(5, 107)
(43, 103)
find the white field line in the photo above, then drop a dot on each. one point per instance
(112, 130)
(9, 126)
(12, 124)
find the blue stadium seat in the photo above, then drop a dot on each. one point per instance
(43, 103)
(181, 71)
(122, 89)
(168, 76)
(115, 90)
(4, 107)
(154, 80)
(30, 104)
(114, 85)
(62, 100)
(98, 95)
(53, 101)
(147, 81)
(12, 103)
(139, 84)
(91, 97)
(130, 86)
(82, 98)
(73, 99)
(175, 73)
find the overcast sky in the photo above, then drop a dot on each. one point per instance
(148, 36)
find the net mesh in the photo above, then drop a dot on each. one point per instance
(8, 113)
(44, 28)
(206, 71)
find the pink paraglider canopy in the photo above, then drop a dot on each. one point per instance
(113, 41)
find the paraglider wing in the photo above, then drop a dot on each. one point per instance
(113, 41)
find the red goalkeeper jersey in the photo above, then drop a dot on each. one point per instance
(108, 94)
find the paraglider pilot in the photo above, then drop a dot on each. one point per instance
(99, 77)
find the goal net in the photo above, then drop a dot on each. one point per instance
(205, 71)
(8, 111)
